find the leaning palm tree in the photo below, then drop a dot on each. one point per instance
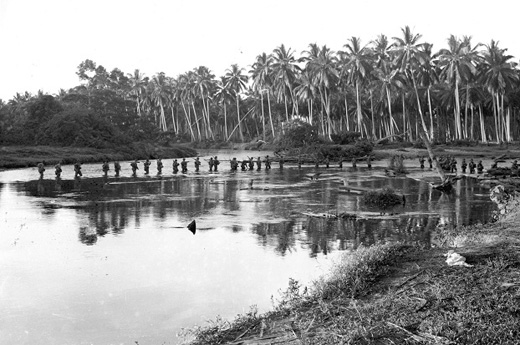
(236, 82)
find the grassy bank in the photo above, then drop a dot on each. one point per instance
(396, 294)
(29, 156)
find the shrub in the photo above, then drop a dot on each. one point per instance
(382, 199)
(345, 137)
(297, 134)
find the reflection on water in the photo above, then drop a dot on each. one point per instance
(101, 250)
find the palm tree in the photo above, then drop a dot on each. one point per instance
(224, 96)
(409, 55)
(456, 67)
(137, 88)
(261, 74)
(236, 82)
(359, 67)
(203, 87)
(285, 72)
(160, 96)
(498, 75)
(321, 65)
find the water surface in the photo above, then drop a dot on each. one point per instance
(110, 261)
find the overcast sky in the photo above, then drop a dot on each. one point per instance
(43, 41)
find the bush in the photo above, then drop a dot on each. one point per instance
(79, 127)
(382, 199)
(345, 137)
(297, 134)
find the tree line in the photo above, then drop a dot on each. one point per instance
(391, 87)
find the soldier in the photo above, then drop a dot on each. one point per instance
(159, 166)
(251, 163)
(430, 161)
(58, 170)
(175, 166)
(494, 165)
(234, 164)
(197, 164)
(463, 165)
(134, 167)
(327, 162)
(243, 165)
(421, 162)
(340, 165)
(77, 169)
(299, 162)
(216, 162)
(184, 166)
(147, 166)
(471, 166)
(281, 162)
(210, 164)
(453, 165)
(480, 167)
(41, 169)
(369, 162)
(267, 163)
(117, 168)
(105, 168)
(258, 164)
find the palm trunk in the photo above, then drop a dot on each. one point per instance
(431, 115)
(391, 120)
(239, 121)
(263, 115)
(482, 127)
(359, 114)
(270, 115)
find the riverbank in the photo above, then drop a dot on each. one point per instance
(12, 157)
(395, 294)
(29, 156)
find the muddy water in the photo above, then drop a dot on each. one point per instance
(110, 261)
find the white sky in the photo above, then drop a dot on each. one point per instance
(43, 41)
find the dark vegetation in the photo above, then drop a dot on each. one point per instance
(301, 139)
(382, 199)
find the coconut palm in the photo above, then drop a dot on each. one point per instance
(137, 88)
(456, 67)
(159, 95)
(409, 54)
(321, 65)
(285, 72)
(261, 75)
(236, 82)
(498, 74)
(359, 66)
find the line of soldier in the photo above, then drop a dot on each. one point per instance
(213, 162)
(450, 164)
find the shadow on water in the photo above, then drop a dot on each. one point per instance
(272, 210)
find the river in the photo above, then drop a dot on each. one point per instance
(110, 261)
